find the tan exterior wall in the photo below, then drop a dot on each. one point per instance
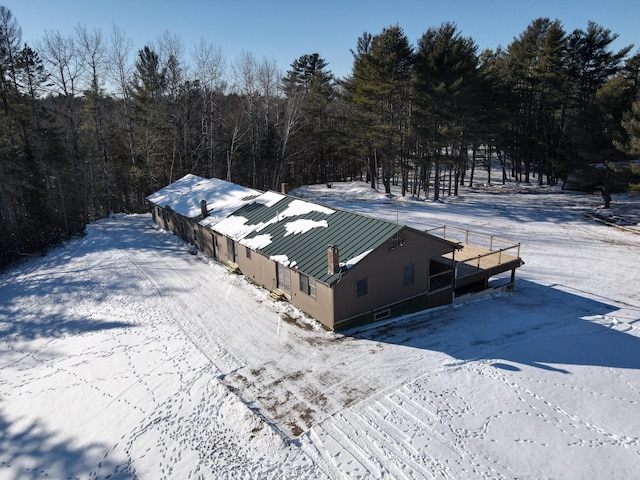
(185, 228)
(262, 271)
(320, 307)
(207, 242)
(175, 223)
(259, 269)
(225, 255)
(384, 270)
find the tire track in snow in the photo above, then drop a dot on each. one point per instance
(191, 325)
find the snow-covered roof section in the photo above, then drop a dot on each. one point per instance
(238, 227)
(268, 199)
(303, 225)
(297, 233)
(235, 226)
(184, 196)
(352, 261)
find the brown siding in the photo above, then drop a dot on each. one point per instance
(259, 269)
(224, 254)
(384, 271)
(319, 307)
(262, 271)
(206, 238)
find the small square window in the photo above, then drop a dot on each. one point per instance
(362, 287)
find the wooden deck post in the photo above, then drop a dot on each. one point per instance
(512, 285)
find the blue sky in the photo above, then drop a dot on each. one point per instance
(286, 29)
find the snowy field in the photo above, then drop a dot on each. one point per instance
(123, 355)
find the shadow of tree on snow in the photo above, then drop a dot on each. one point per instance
(30, 451)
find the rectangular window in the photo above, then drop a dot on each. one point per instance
(409, 275)
(308, 285)
(283, 278)
(362, 287)
(248, 251)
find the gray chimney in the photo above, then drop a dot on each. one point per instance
(203, 207)
(333, 258)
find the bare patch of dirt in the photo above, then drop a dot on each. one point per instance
(354, 395)
(307, 415)
(297, 322)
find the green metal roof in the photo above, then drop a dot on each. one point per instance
(298, 233)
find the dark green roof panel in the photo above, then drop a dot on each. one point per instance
(306, 248)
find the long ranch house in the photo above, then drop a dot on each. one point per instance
(340, 267)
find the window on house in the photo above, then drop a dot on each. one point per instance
(308, 285)
(409, 277)
(283, 279)
(248, 251)
(362, 287)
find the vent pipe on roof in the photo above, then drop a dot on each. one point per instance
(333, 259)
(203, 207)
(284, 188)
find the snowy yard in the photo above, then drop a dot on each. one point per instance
(125, 356)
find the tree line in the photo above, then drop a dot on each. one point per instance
(85, 132)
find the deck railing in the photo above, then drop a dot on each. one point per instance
(440, 280)
(495, 245)
(475, 261)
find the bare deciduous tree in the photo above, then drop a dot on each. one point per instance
(93, 52)
(209, 72)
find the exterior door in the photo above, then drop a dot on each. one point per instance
(283, 278)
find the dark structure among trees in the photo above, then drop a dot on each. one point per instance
(85, 132)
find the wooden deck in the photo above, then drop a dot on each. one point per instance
(484, 254)
(482, 258)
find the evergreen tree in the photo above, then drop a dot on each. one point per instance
(309, 86)
(150, 117)
(379, 92)
(364, 115)
(537, 69)
(591, 63)
(446, 82)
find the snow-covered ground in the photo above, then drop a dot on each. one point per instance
(123, 355)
